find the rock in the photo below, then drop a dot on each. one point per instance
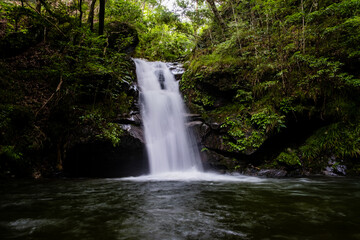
(176, 69)
(134, 119)
(215, 141)
(271, 173)
(193, 117)
(341, 169)
(199, 129)
(216, 161)
(215, 125)
(335, 168)
(133, 90)
(137, 132)
(204, 130)
(194, 124)
(102, 159)
(116, 31)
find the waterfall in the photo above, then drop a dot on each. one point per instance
(170, 144)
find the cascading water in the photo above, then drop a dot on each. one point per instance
(170, 145)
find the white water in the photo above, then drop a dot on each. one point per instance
(193, 176)
(170, 146)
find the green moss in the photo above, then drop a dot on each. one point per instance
(288, 158)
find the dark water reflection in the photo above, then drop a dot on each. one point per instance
(117, 209)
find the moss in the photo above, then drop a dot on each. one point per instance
(288, 158)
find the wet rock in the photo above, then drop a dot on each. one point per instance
(219, 162)
(137, 132)
(204, 130)
(134, 119)
(194, 124)
(193, 117)
(335, 168)
(133, 90)
(215, 141)
(271, 173)
(176, 69)
(215, 125)
(200, 129)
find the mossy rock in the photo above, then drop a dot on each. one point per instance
(122, 37)
(288, 158)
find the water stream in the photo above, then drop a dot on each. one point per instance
(170, 145)
(251, 208)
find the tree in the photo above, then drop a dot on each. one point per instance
(91, 15)
(81, 12)
(101, 17)
(38, 6)
(217, 15)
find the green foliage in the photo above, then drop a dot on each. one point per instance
(278, 62)
(106, 130)
(61, 84)
(112, 132)
(243, 96)
(274, 61)
(10, 153)
(338, 139)
(288, 158)
(163, 43)
(286, 105)
(162, 35)
(124, 11)
(5, 119)
(239, 137)
(16, 32)
(268, 121)
(204, 149)
(322, 69)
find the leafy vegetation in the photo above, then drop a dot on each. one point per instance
(256, 68)
(275, 65)
(61, 84)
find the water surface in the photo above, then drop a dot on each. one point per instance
(195, 208)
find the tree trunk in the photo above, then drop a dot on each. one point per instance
(303, 25)
(91, 15)
(101, 17)
(38, 6)
(81, 13)
(43, 2)
(218, 17)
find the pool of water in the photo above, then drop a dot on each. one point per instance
(180, 208)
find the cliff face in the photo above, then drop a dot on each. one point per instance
(276, 90)
(240, 130)
(67, 103)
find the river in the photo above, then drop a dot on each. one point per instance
(213, 207)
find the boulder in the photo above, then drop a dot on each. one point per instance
(219, 162)
(102, 159)
(122, 37)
